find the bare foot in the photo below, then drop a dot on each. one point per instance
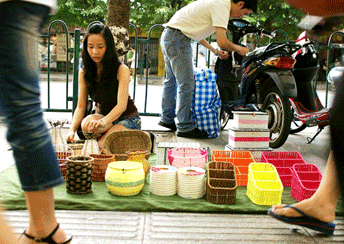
(315, 209)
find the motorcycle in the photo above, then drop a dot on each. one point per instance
(264, 79)
(307, 108)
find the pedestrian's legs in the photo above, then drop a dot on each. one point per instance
(168, 101)
(6, 234)
(322, 204)
(177, 49)
(337, 128)
(40, 205)
(27, 134)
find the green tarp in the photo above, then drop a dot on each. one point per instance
(101, 199)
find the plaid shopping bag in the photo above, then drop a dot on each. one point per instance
(206, 103)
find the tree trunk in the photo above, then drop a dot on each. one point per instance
(118, 22)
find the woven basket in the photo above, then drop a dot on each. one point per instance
(100, 164)
(120, 142)
(62, 158)
(221, 183)
(77, 147)
(79, 174)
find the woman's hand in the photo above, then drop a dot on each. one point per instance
(94, 125)
(70, 136)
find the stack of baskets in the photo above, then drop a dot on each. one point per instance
(191, 182)
(221, 184)
(240, 160)
(119, 143)
(100, 164)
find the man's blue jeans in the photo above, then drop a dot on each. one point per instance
(27, 133)
(179, 80)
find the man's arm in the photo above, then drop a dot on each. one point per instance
(225, 44)
(220, 53)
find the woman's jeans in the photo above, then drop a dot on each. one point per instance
(179, 80)
(27, 132)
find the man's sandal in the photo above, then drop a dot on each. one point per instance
(48, 239)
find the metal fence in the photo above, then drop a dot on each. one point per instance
(147, 50)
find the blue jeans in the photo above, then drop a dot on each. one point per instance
(20, 104)
(179, 80)
(133, 123)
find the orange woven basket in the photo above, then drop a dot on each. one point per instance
(100, 164)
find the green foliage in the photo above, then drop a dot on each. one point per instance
(271, 14)
(79, 13)
(277, 15)
(146, 13)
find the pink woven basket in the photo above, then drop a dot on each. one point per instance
(305, 181)
(283, 161)
(187, 157)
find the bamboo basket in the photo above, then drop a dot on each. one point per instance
(79, 174)
(100, 164)
(120, 142)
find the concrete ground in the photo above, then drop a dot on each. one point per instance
(164, 227)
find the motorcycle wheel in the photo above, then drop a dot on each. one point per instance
(278, 109)
(224, 118)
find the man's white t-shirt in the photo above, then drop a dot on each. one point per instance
(198, 19)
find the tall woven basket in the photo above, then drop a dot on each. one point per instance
(79, 174)
(100, 164)
(120, 142)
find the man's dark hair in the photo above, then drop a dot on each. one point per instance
(249, 4)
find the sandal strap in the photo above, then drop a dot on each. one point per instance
(47, 239)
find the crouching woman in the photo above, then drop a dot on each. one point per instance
(105, 80)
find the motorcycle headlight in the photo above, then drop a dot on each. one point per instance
(281, 62)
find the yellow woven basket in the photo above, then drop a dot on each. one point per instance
(125, 178)
(264, 186)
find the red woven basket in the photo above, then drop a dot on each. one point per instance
(283, 161)
(100, 164)
(62, 158)
(305, 181)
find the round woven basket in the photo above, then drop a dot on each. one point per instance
(120, 142)
(100, 164)
(79, 174)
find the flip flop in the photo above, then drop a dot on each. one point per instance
(305, 221)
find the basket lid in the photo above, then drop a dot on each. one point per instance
(191, 171)
(126, 165)
(164, 169)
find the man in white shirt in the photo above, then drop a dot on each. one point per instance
(196, 21)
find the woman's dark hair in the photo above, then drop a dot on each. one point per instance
(110, 60)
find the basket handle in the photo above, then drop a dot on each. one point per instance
(104, 152)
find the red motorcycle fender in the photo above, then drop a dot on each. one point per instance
(285, 82)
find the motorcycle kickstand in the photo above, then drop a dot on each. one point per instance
(320, 128)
